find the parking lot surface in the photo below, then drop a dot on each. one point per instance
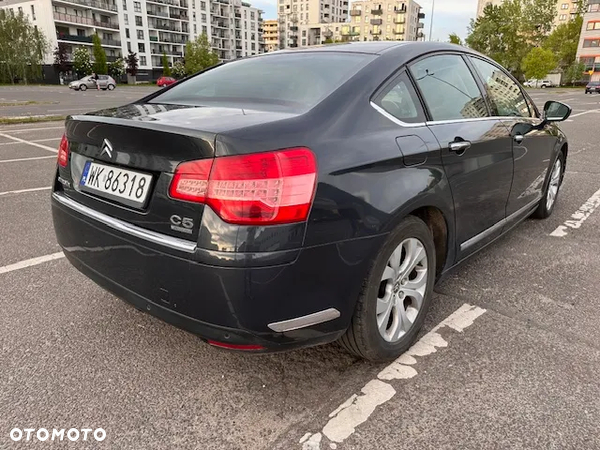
(509, 357)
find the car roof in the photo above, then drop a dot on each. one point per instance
(380, 47)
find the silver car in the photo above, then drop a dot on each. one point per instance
(104, 81)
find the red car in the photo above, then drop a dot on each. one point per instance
(165, 81)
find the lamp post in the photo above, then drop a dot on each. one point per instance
(431, 24)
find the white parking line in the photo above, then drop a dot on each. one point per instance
(357, 409)
(33, 158)
(20, 130)
(35, 144)
(22, 191)
(585, 112)
(31, 262)
(580, 216)
(35, 140)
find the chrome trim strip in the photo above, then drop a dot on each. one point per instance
(304, 321)
(384, 113)
(124, 227)
(485, 233)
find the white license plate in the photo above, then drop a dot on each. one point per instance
(126, 186)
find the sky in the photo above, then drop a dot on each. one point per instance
(451, 16)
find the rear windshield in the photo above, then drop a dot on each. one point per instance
(296, 81)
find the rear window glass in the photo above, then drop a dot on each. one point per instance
(287, 80)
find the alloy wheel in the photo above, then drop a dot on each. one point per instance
(554, 185)
(402, 290)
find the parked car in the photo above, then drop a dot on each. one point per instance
(165, 81)
(592, 86)
(105, 82)
(315, 195)
(539, 84)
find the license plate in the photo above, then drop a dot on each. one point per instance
(126, 186)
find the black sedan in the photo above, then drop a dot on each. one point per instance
(592, 87)
(299, 197)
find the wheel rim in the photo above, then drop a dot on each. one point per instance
(554, 185)
(402, 290)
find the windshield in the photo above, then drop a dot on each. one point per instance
(296, 81)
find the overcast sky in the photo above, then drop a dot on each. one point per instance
(450, 15)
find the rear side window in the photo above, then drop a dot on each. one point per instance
(289, 80)
(505, 94)
(448, 87)
(400, 100)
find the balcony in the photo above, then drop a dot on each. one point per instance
(377, 12)
(154, 12)
(396, 31)
(421, 25)
(293, 29)
(376, 21)
(219, 24)
(71, 18)
(355, 12)
(74, 38)
(153, 38)
(111, 42)
(399, 20)
(168, 2)
(421, 15)
(110, 58)
(164, 26)
(238, 15)
(180, 16)
(93, 4)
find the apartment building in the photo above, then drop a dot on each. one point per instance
(385, 20)
(271, 35)
(294, 13)
(566, 10)
(149, 28)
(588, 51)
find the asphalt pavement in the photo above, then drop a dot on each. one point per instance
(509, 357)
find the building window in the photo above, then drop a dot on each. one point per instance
(195, 29)
(137, 6)
(127, 33)
(564, 6)
(303, 33)
(203, 17)
(128, 46)
(202, 5)
(591, 43)
(32, 12)
(253, 46)
(20, 10)
(140, 34)
(593, 26)
(142, 60)
(141, 47)
(126, 19)
(204, 29)
(124, 5)
(252, 15)
(138, 21)
(245, 14)
(304, 42)
(562, 17)
(194, 15)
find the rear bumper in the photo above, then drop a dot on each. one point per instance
(232, 305)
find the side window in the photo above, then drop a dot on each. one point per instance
(505, 94)
(401, 101)
(449, 89)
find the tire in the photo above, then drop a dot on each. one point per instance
(543, 86)
(546, 206)
(110, 87)
(363, 337)
(83, 87)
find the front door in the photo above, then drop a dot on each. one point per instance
(532, 146)
(476, 148)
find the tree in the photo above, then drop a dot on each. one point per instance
(508, 32)
(132, 64)
(199, 55)
(61, 58)
(165, 63)
(116, 69)
(455, 39)
(538, 63)
(574, 73)
(22, 48)
(178, 69)
(564, 40)
(81, 62)
(328, 41)
(100, 66)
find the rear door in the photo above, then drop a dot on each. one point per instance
(476, 148)
(532, 146)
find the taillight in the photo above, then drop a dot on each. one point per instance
(63, 152)
(257, 189)
(246, 347)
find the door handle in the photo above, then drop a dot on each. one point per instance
(459, 147)
(519, 138)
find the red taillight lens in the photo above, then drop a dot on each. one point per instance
(247, 347)
(262, 188)
(63, 152)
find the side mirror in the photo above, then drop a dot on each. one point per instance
(556, 112)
